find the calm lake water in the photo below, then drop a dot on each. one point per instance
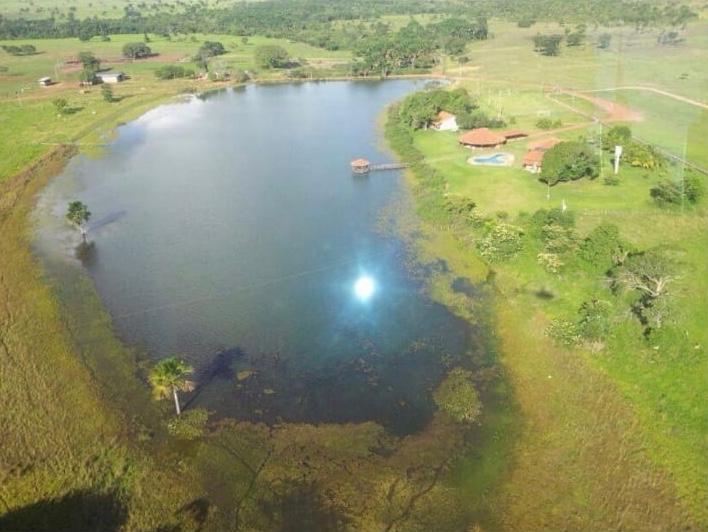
(230, 230)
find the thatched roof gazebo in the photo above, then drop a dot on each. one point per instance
(360, 166)
(482, 138)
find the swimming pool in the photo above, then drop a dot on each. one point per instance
(494, 159)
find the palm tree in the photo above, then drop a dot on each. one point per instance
(170, 376)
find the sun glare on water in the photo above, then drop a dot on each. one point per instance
(364, 288)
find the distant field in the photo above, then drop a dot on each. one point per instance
(633, 58)
(97, 8)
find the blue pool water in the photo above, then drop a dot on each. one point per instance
(500, 159)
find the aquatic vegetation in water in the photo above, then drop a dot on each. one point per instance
(458, 396)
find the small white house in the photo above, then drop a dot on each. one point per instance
(445, 122)
(44, 82)
(111, 77)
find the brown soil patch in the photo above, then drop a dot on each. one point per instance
(615, 112)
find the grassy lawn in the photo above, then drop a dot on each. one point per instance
(663, 380)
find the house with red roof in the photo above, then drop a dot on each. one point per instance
(482, 138)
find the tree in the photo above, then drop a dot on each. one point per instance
(616, 136)
(208, 50)
(91, 65)
(271, 56)
(649, 273)
(136, 50)
(61, 105)
(575, 39)
(79, 215)
(168, 377)
(107, 93)
(88, 60)
(548, 45)
(603, 41)
(569, 161)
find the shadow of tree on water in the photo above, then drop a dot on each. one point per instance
(76, 511)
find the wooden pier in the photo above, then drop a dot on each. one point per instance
(362, 166)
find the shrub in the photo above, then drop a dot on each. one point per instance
(190, 425)
(456, 395)
(550, 262)
(563, 332)
(271, 56)
(594, 321)
(547, 123)
(690, 189)
(173, 72)
(603, 41)
(558, 238)
(502, 242)
(602, 246)
(240, 76)
(107, 93)
(526, 22)
(25, 49)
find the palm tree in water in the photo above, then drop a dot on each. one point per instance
(168, 377)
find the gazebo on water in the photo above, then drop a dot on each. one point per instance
(361, 166)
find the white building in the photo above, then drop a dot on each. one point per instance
(445, 122)
(111, 77)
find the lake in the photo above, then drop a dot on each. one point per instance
(229, 229)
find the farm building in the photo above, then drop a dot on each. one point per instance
(482, 138)
(44, 82)
(533, 160)
(111, 77)
(445, 122)
(513, 134)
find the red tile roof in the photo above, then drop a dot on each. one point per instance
(482, 137)
(534, 157)
(544, 144)
(514, 134)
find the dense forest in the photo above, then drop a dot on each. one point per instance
(315, 21)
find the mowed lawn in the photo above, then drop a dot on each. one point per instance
(513, 190)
